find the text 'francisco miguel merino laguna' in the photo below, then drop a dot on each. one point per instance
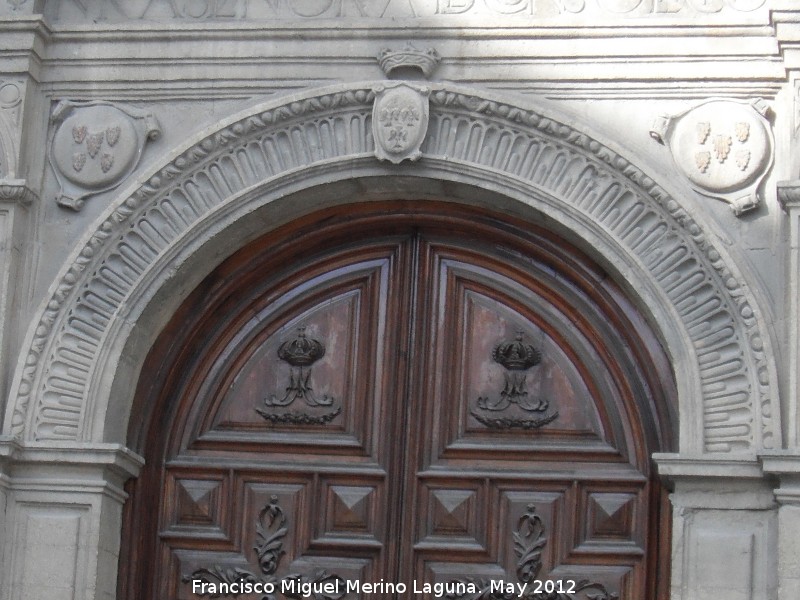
(338, 587)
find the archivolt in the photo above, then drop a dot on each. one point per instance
(584, 185)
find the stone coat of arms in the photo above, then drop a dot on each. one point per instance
(723, 147)
(399, 121)
(95, 146)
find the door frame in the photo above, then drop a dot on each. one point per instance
(168, 396)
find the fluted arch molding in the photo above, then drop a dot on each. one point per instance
(82, 348)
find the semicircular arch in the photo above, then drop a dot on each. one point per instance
(84, 346)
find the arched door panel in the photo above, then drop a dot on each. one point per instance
(404, 395)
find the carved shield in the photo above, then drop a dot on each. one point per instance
(399, 122)
(723, 147)
(94, 146)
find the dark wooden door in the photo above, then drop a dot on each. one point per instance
(401, 396)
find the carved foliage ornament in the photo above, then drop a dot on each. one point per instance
(299, 353)
(723, 147)
(529, 542)
(271, 529)
(517, 358)
(95, 146)
(399, 121)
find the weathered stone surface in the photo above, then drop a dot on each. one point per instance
(541, 107)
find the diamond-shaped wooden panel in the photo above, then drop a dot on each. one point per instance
(453, 517)
(452, 512)
(612, 521)
(198, 505)
(610, 516)
(350, 509)
(198, 501)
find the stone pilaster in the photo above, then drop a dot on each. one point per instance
(725, 528)
(15, 197)
(63, 507)
(786, 467)
(789, 197)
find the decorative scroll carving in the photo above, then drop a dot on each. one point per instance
(517, 358)
(529, 542)
(96, 146)
(399, 121)
(298, 418)
(299, 353)
(270, 532)
(723, 147)
(517, 149)
(513, 423)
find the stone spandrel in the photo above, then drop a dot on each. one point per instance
(511, 11)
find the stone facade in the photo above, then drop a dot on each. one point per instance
(142, 142)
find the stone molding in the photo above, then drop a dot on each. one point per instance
(789, 194)
(16, 191)
(716, 483)
(725, 351)
(58, 466)
(786, 467)
(383, 10)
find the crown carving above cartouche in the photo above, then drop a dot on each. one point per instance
(301, 351)
(516, 355)
(424, 60)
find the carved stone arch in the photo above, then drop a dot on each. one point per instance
(88, 342)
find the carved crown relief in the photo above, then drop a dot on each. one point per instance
(409, 57)
(723, 147)
(96, 146)
(517, 358)
(300, 353)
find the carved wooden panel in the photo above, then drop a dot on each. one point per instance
(304, 364)
(434, 401)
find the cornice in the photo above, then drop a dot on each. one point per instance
(25, 40)
(789, 194)
(35, 24)
(679, 466)
(403, 28)
(785, 466)
(786, 26)
(16, 191)
(627, 62)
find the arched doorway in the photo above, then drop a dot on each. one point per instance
(402, 393)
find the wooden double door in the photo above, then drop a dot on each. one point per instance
(402, 395)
